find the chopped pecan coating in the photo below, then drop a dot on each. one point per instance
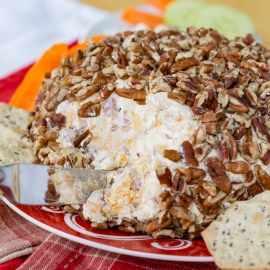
(263, 177)
(79, 139)
(187, 154)
(164, 176)
(254, 189)
(193, 175)
(217, 172)
(249, 151)
(184, 64)
(58, 120)
(259, 127)
(238, 167)
(239, 132)
(265, 153)
(184, 200)
(178, 182)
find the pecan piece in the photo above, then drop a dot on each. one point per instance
(249, 179)
(58, 120)
(164, 176)
(87, 92)
(199, 203)
(172, 155)
(180, 96)
(79, 139)
(187, 154)
(166, 234)
(249, 151)
(184, 64)
(196, 113)
(131, 93)
(51, 135)
(262, 176)
(210, 201)
(40, 126)
(210, 122)
(54, 146)
(56, 99)
(182, 213)
(223, 151)
(150, 51)
(239, 132)
(184, 200)
(265, 153)
(237, 167)
(137, 83)
(260, 129)
(199, 135)
(254, 189)
(209, 187)
(201, 151)
(233, 145)
(162, 221)
(248, 137)
(89, 110)
(178, 183)
(217, 173)
(165, 199)
(237, 105)
(193, 175)
(235, 196)
(126, 229)
(229, 82)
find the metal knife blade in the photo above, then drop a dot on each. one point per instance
(28, 183)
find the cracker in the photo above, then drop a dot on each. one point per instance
(11, 133)
(12, 116)
(264, 196)
(240, 237)
(15, 142)
(14, 152)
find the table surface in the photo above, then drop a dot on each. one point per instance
(258, 10)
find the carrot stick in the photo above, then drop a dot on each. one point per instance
(135, 16)
(161, 4)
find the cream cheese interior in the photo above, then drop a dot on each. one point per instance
(129, 139)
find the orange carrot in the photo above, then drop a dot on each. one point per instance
(97, 38)
(135, 16)
(25, 95)
(161, 4)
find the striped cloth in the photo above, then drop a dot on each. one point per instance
(24, 246)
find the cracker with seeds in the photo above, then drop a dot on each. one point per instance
(240, 237)
(14, 134)
(264, 196)
(13, 117)
(15, 142)
(15, 152)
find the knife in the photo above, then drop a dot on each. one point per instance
(34, 184)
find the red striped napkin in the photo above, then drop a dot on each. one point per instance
(24, 246)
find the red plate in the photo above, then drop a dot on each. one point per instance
(72, 227)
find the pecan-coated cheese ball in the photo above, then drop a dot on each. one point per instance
(180, 118)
